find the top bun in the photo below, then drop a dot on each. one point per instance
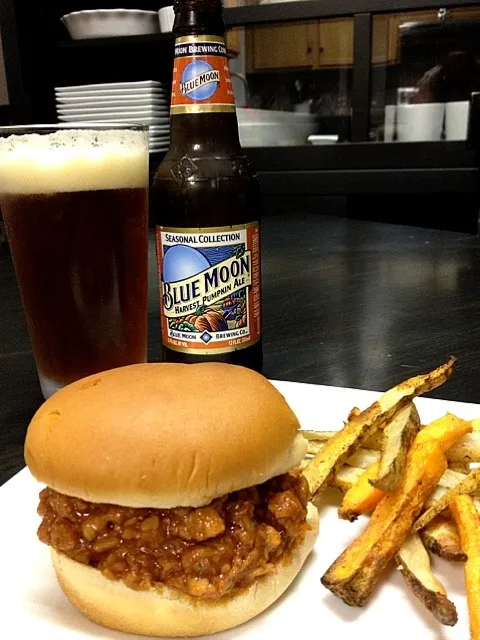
(163, 435)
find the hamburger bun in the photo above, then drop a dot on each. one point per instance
(166, 612)
(163, 435)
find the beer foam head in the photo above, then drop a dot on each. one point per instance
(73, 160)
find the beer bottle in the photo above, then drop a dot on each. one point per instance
(206, 206)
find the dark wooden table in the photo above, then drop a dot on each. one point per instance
(346, 303)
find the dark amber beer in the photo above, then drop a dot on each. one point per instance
(75, 210)
(207, 206)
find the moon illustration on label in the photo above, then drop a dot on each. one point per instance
(181, 262)
(199, 80)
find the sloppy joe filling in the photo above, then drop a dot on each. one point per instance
(206, 552)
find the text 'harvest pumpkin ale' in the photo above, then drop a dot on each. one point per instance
(207, 202)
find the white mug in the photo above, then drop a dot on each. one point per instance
(456, 120)
(166, 17)
(420, 122)
(390, 122)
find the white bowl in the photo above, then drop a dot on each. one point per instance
(166, 16)
(105, 23)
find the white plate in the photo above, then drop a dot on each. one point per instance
(33, 606)
(143, 84)
(111, 93)
(131, 111)
(139, 118)
(88, 103)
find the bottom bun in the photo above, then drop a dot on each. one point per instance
(169, 612)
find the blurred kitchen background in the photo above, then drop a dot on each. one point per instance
(357, 109)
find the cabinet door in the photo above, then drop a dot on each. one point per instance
(233, 40)
(335, 42)
(464, 13)
(396, 20)
(282, 46)
(380, 38)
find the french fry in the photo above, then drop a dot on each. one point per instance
(363, 458)
(354, 575)
(468, 523)
(467, 449)
(346, 477)
(446, 430)
(461, 467)
(435, 496)
(361, 427)
(441, 537)
(318, 436)
(354, 411)
(362, 497)
(470, 484)
(414, 563)
(398, 435)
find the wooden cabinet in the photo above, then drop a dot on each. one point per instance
(335, 39)
(322, 44)
(315, 44)
(233, 40)
(386, 34)
(284, 46)
(464, 13)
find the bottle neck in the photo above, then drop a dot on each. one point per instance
(190, 21)
(203, 116)
(204, 134)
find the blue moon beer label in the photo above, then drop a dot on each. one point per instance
(210, 288)
(201, 76)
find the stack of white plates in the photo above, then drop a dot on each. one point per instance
(145, 102)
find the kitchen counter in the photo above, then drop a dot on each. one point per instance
(345, 303)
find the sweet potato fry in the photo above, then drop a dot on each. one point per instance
(361, 427)
(398, 435)
(441, 537)
(414, 563)
(446, 430)
(362, 497)
(354, 575)
(470, 484)
(468, 523)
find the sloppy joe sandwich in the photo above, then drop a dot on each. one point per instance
(173, 505)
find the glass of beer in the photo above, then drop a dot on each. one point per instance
(74, 202)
